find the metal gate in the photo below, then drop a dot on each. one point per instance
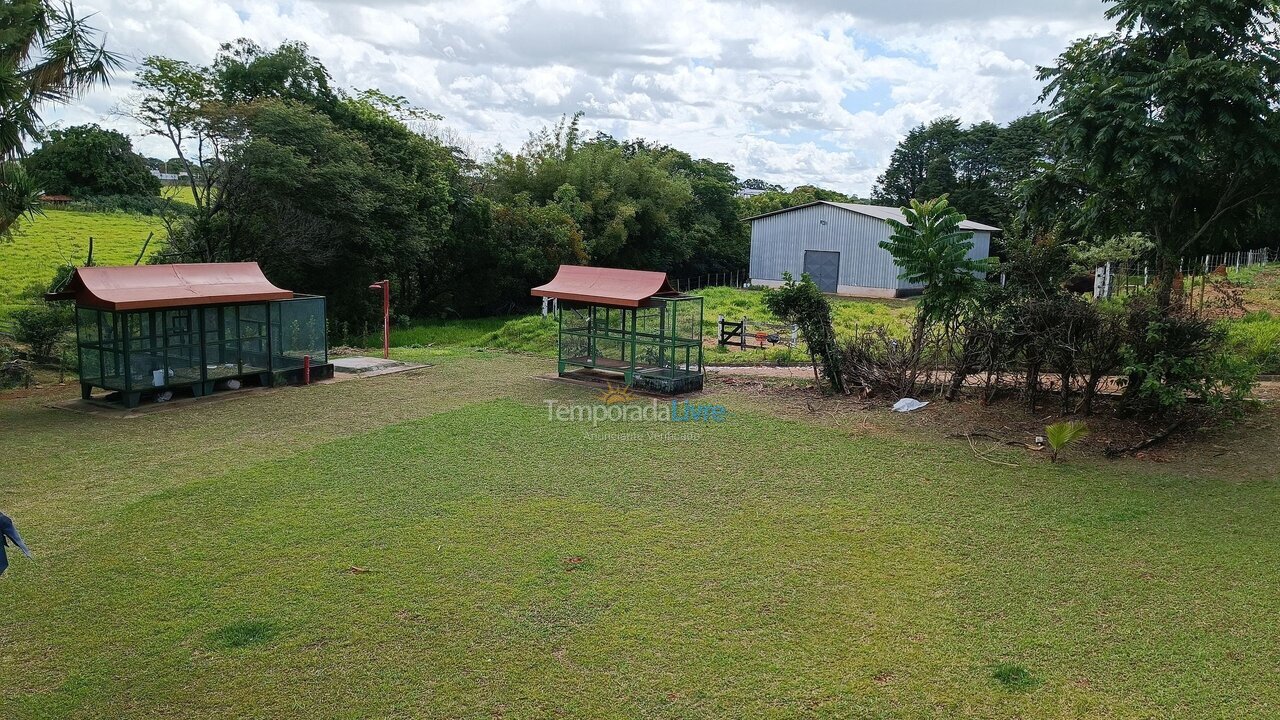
(824, 268)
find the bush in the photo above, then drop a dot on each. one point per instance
(803, 304)
(41, 327)
(1173, 357)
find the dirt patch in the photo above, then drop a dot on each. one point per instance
(1221, 446)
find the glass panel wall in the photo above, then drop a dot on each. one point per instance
(146, 351)
(298, 330)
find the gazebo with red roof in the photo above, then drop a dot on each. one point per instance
(148, 329)
(627, 323)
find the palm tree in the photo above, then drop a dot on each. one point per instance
(48, 55)
(932, 249)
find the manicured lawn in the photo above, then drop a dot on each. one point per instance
(200, 562)
(59, 236)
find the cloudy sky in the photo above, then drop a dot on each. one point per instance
(809, 91)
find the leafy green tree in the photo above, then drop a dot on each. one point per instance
(86, 161)
(176, 102)
(1167, 126)
(980, 167)
(922, 165)
(932, 249)
(774, 200)
(48, 55)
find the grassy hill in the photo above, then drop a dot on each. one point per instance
(38, 247)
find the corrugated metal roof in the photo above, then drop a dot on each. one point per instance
(880, 212)
(149, 287)
(605, 286)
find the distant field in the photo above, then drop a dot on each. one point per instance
(60, 236)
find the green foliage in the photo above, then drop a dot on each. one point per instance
(48, 55)
(1256, 340)
(1166, 126)
(1062, 434)
(979, 167)
(1173, 357)
(636, 205)
(86, 161)
(43, 326)
(778, 199)
(932, 249)
(154, 205)
(804, 304)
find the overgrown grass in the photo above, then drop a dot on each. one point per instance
(197, 563)
(62, 236)
(1256, 338)
(533, 334)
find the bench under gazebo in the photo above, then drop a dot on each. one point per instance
(148, 329)
(627, 324)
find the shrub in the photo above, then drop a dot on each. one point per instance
(1174, 356)
(804, 304)
(41, 327)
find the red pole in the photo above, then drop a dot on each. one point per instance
(385, 286)
(306, 369)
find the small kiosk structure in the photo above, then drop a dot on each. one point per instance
(628, 323)
(151, 328)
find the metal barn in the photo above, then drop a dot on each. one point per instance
(626, 324)
(838, 244)
(147, 329)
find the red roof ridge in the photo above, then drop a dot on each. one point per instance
(605, 286)
(147, 287)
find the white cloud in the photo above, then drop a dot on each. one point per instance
(807, 91)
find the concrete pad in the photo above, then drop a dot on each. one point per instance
(360, 364)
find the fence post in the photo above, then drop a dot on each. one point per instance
(720, 331)
(742, 338)
(795, 335)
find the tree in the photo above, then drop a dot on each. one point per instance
(932, 249)
(1167, 126)
(48, 55)
(980, 167)
(176, 102)
(85, 160)
(921, 164)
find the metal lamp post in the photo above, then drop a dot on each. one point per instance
(385, 287)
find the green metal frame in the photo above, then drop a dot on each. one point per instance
(198, 346)
(655, 347)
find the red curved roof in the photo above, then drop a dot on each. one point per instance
(605, 286)
(148, 287)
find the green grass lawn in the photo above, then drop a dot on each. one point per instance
(39, 246)
(198, 562)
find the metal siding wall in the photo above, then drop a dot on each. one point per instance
(778, 243)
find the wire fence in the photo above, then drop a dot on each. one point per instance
(1118, 278)
(735, 278)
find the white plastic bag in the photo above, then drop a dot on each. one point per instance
(908, 404)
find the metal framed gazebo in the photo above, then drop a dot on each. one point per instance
(151, 328)
(628, 323)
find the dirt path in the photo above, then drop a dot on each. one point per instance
(1268, 390)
